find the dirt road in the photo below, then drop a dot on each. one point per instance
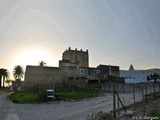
(59, 110)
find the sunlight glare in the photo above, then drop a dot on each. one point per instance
(33, 56)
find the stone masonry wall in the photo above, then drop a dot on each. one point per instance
(36, 74)
(75, 58)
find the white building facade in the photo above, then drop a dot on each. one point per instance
(137, 76)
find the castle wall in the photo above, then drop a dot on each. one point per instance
(74, 71)
(36, 74)
(109, 70)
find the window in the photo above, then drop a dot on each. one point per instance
(96, 71)
(81, 71)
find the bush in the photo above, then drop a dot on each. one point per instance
(73, 93)
(100, 116)
(27, 97)
(154, 113)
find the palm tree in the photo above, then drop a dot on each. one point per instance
(5, 74)
(18, 72)
(8, 82)
(42, 63)
(154, 77)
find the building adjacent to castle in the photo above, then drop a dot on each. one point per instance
(74, 66)
(137, 76)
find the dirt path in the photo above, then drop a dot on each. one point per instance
(141, 111)
(6, 110)
(55, 110)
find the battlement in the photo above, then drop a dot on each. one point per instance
(75, 50)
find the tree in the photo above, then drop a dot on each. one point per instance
(18, 72)
(154, 77)
(1, 75)
(4, 74)
(42, 63)
(8, 82)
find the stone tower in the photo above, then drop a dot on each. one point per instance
(74, 58)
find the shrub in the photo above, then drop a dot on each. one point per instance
(73, 93)
(100, 116)
(27, 97)
(154, 113)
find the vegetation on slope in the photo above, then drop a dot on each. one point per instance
(62, 93)
(27, 97)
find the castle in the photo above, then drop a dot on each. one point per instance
(73, 66)
(74, 58)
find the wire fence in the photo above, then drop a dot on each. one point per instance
(123, 94)
(128, 95)
(137, 93)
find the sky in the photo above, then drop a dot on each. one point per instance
(115, 32)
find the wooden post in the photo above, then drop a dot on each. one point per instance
(146, 93)
(139, 89)
(123, 88)
(151, 88)
(154, 90)
(110, 87)
(143, 103)
(142, 94)
(120, 101)
(159, 89)
(134, 96)
(114, 102)
(117, 99)
(39, 87)
(124, 101)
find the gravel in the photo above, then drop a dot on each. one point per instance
(142, 110)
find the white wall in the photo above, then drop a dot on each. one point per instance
(137, 76)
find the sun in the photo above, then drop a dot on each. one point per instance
(32, 56)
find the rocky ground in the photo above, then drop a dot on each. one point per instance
(141, 111)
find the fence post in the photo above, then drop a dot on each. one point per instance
(114, 102)
(134, 96)
(154, 90)
(121, 102)
(142, 94)
(139, 89)
(159, 89)
(146, 93)
(123, 88)
(39, 87)
(151, 88)
(117, 99)
(143, 103)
